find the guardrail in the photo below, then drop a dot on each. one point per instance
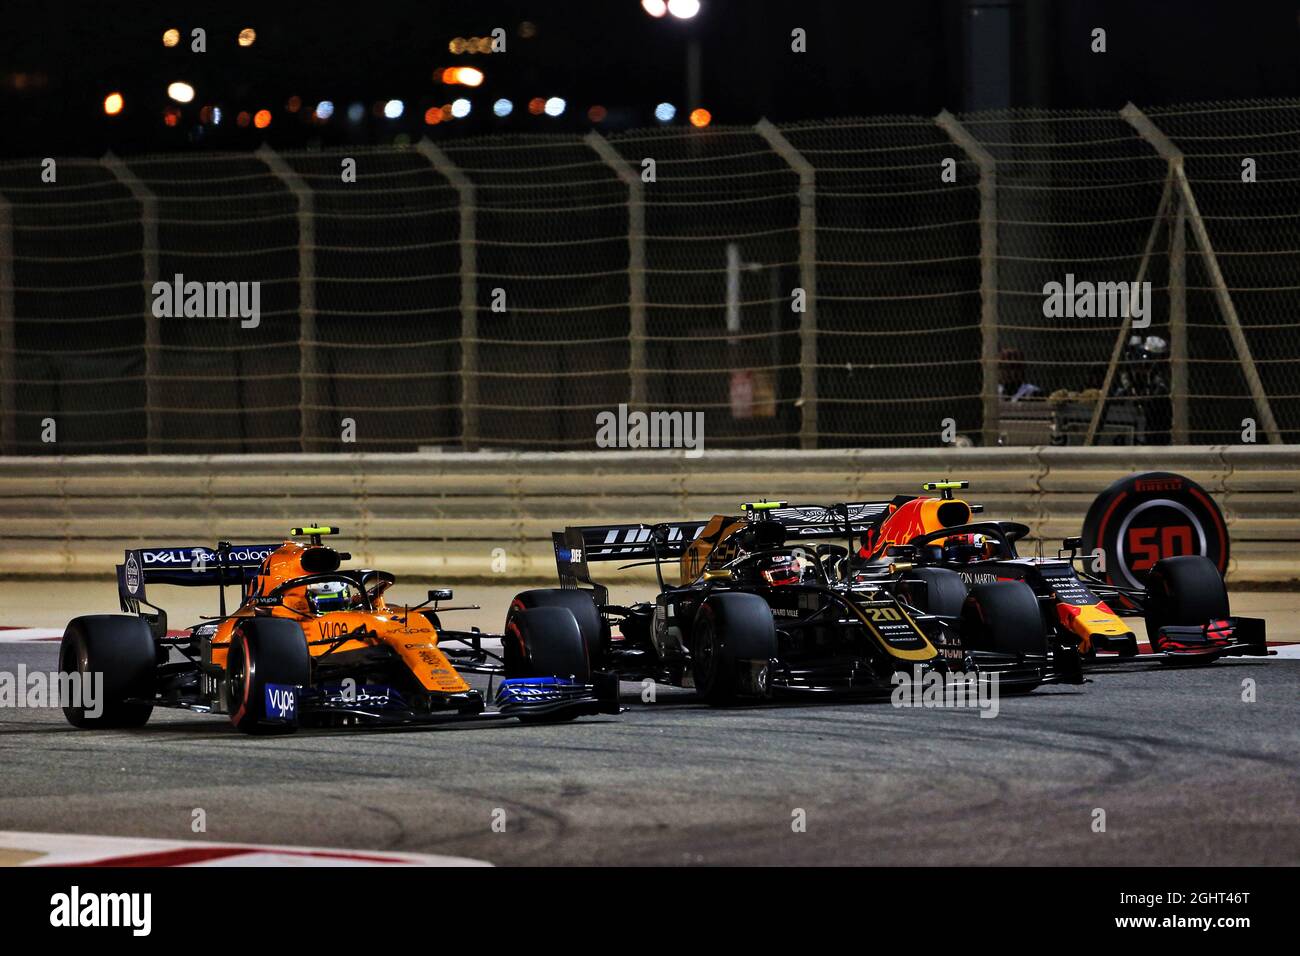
(488, 515)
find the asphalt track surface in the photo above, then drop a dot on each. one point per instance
(1185, 771)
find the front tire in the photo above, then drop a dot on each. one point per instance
(1004, 617)
(267, 666)
(121, 649)
(1186, 590)
(934, 590)
(546, 642)
(730, 629)
(581, 604)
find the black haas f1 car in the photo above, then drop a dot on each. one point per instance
(313, 644)
(929, 553)
(758, 612)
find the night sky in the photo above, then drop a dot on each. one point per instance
(59, 60)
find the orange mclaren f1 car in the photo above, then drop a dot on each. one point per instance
(312, 643)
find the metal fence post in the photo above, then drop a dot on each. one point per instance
(468, 290)
(8, 336)
(308, 368)
(1117, 351)
(989, 350)
(143, 195)
(808, 428)
(1165, 147)
(1178, 371)
(636, 332)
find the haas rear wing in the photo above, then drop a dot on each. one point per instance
(189, 566)
(575, 547)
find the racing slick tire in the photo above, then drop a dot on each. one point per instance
(1186, 590)
(267, 666)
(122, 649)
(941, 591)
(578, 600)
(730, 628)
(547, 642)
(1003, 617)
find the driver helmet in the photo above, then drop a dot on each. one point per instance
(968, 547)
(326, 596)
(782, 570)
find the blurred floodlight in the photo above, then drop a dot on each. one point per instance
(665, 112)
(262, 119)
(324, 110)
(356, 112)
(462, 75)
(683, 9)
(248, 36)
(393, 109)
(502, 107)
(554, 106)
(656, 8)
(171, 37)
(216, 116)
(113, 103)
(701, 117)
(460, 108)
(597, 113)
(180, 92)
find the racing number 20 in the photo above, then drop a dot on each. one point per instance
(1145, 551)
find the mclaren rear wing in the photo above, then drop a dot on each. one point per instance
(188, 566)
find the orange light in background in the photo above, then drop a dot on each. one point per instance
(171, 37)
(462, 76)
(262, 119)
(536, 105)
(597, 113)
(243, 119)
(171, 116)
(446, 111)
(113, 104)
(294, 104)
(701, 117)
(433, 116)
(247, 36)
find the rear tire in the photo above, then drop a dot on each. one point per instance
(580, 602)
(1186, 590)
(729, 628)
(1003, 617)
(940, 591)
(267, 656)
(122, 649)
(547, 642)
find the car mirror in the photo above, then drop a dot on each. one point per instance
(440, 594)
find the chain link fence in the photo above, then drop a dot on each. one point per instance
(840, 283)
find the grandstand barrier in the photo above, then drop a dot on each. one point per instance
(487, 516)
